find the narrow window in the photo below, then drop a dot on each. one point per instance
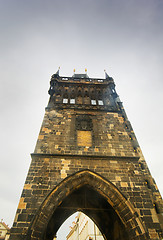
(65, 100)
(93, 102)
(72, 101)
(100, 102)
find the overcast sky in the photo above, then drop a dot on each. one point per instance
(125, 37)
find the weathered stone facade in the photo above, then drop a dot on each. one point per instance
(87, 158)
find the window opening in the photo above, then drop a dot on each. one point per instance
(65, 100)
(100, 102)
(72, 101)
(93, 102)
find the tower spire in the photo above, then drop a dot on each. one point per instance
(106, 75)
(57, 73)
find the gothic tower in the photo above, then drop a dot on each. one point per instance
(87, 159)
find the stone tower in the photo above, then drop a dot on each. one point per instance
(87, 159)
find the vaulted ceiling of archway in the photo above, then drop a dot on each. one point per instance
(90, 202)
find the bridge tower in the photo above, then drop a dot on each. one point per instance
(87, 159)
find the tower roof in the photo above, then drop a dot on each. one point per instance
(80, 75)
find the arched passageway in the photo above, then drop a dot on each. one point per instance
(79, 227)
(98, 198)
(93, 205)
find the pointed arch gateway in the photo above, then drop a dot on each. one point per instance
(95, 196)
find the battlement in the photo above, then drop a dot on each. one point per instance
(82, 79)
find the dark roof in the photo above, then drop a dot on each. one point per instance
(80, 76)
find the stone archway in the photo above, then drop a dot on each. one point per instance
(117, 218)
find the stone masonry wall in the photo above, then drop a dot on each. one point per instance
(46, 172)
(110, 134)
(112, 155)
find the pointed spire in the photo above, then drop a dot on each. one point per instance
(57, 73)
(106, 75)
